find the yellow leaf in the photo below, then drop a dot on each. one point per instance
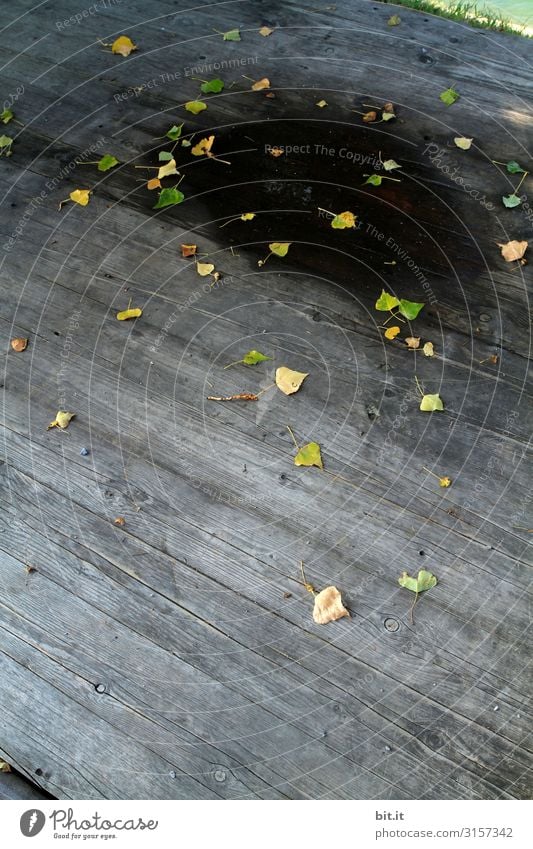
(392, 332)
(428, 349)
(463, 143)
(412, 341)
(328, 606)
(261, 84)
(123, 45)
(195, 106)
(289, 381)
(322, 103)
(247, 216)
(204, 268)
(61, 420)
(264, 31)
(135, 312)
(513, 250)
(430, 403)
(4, 767)
(80, 196)
(280, 248)
(154, 184)
(309, 455)
(167, 170)
(203, 146)
(445, 481)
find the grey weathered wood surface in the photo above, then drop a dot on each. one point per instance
(161, 659)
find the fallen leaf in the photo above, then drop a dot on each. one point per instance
(134, 312)
(445, 482)
(391, 332)
(169, 197)
(5, 145)
(369, 117)
(513, 250)
(388, 107)
(107, 162)
(167, 170)
(185, 143)
(204, 268)
(428, 349)
(387, 115)
(253, 357)
(188, 250)
(212, 86)
(19, 344)
(412, 341)
(165, 156)
(120, 520)
(328, 606)
(247, 216)
(390, 165)
(261, 84)
(280, 248)
(386, 302)
(514, 168)
(123, 45)
(373, 180)
(510, 201)
(409, 309)
(276, 151)
(309, 455)
(155, 183)
(321, 103)
(449, 96)
(424, 581)
(430, 403)
(343, 220)
(6, 116)
(231, 35)
(265, 31)
(195, 106)
(80, 196)
(203, 147)
(394, 20)
(61, 420)
(4, 767)
(289, 381)
(173, 134)
(463, 143)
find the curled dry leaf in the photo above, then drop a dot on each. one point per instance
(392, 332)
(204, 268)
(513, 250)
(445, 481)
(265, 31)
(463, 143)
(188, 250)
(120, 520)
(259, 85)
(412, 341)
(322, 103)
(289, 381)
(134, 312)
(328, 606)
(19, 344)
(428, 349)
(61, 420)
(4, 767)
(370, 117)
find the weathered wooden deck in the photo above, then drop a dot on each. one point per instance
(165, 658)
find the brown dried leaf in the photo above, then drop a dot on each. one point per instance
(19, 344)
(261, 84)
(188, 250)
(412, 341)
(513, 250)
(120, 520)
(265, 31)
(276, 151)
(328, 606)
(369, 117)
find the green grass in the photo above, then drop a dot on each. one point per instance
(476, 15)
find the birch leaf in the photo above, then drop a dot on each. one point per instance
(169, 197)
(322, 103)
(309, 455)
(61, 420)
(195, 106)
(6, 116)
(386, 302)
(390, 165)
(409, 309)
(328, 606)
(428, 349)
(231, 35)
(510, 201)
(280, 248)
(173, 134)
(430, 403)
(343, 220)
(289, 381)
(203, 147)
(514, 168)
(513, 250)
(449, 96)
(391, 332)
(265, 31)
(412, 342)
(134, 312)
(463, 143)
(424, 581)
(5, 145)
(261, 84)
(204, 268)
(247, 216)
(394, 20)
(167, 170)
(123, 45)
(107, 162)
(253, 357)
(165, 156)
(373, 180)
(212, 86)
(80, 196)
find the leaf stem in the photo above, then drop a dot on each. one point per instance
(419, 387)
(309, 587)
(293, 438)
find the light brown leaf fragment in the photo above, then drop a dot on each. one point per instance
(276, 151)
(19, 344)
(4, 767)
(412, 341)
(265, 31)
(513, 250)
(120, 520)
(388, 107)
(369, 117)
(204, 268)
(259, 85)
(241, 396)
(328, 606)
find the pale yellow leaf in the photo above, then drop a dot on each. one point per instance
(61, 420)
(412, 341)
(428, 349)
(204, 268)
(247, 216)
(463, 143)
(265, 31)
(328, 606)
(513, 250)
(322, 103)
(167, 169)
(289, 381)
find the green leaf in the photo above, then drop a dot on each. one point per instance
(409, 309)
(449, 96)
(6, 116)
(394, 20)
(386, 302)
(511, 200)
(107, 162)
(165, 156)
(424, 581)
(373, 180)
(232, 35)
(214, 86)
(514, 168)
(309, 455)
(174, 133)
(387, 116)
(430, 403)
(253, 357)
(195, 106)
(169, 197)
(280, 248)
(5, 144)
(390, 165)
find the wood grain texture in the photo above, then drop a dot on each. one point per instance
(175, 656)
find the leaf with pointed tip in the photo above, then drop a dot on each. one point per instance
(514, 168)
(424, 581)
(409, 309)
(169, 197)
(373, 180)
(61, 420)
(174, 133)
(309, 455)
(390, 165)
(513, 250)
(463, 143)
(167, 170)
(430, 403)
(386, 302)
(510, 201)
(289, 381)
(165, 156)
(280, 248)
(253, 357)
